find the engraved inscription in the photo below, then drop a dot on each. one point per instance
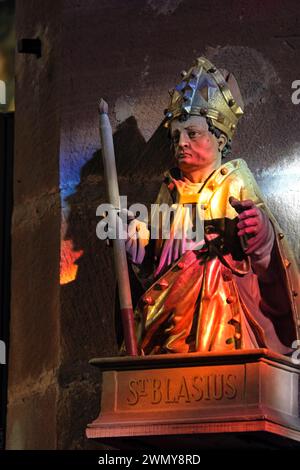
(183, 389)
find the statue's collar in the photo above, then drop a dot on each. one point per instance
(217, 176)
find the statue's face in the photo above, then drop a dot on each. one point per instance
(195, 147)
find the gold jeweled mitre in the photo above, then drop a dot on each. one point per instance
(209, 92)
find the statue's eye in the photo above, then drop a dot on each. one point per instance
(193, 134)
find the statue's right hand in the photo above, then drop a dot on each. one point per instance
(135, 233)
(114, 225)
(138, 237)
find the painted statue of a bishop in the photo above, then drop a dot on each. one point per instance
(236, 286)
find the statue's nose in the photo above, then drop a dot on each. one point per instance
(183, 140)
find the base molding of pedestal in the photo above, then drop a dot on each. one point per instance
(207, 428)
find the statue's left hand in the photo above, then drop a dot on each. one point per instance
(253, 224)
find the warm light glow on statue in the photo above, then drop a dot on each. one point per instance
(239, 290)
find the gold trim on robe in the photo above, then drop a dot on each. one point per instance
(213, 299)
